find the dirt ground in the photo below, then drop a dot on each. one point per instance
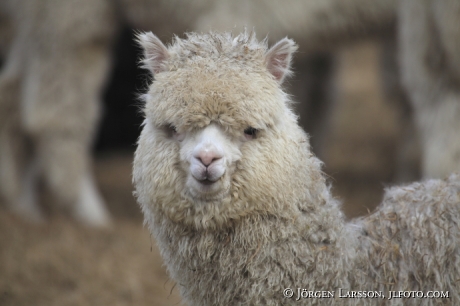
(62, 263)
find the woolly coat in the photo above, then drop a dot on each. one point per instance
(279, 226)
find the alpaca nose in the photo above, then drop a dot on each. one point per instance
(208, 156)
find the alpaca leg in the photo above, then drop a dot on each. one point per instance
(27, 207)
(440, 126)
(66, 167)
(61, 109)
(17, 174)
(90, 208)
(442, 140)
(432, 87)
(62, 89)
(9, 96)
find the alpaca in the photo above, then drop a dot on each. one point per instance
(58, 60)
(47, 119)
(239, 206)
(429, 47)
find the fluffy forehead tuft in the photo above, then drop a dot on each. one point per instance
(216, 77)
(214, 45)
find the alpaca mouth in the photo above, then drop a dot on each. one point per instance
(207, 182)
(206, 186)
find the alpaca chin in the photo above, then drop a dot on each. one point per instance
(208, 191)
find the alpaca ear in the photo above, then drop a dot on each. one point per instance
(278, 59)
(155, 52)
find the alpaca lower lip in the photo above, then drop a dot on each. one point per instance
(206, 182)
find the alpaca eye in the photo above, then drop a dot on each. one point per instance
(172, 128)
(250, 132)
(172, 133)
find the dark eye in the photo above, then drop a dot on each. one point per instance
(172, 128)
(250, 132)
(172, 132)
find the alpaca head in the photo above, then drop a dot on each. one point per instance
(219, 140)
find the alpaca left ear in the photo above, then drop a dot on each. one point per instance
(155, 52)
(278, 58)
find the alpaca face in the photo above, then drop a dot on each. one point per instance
(218, 131)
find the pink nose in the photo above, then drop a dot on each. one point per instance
(207, 157)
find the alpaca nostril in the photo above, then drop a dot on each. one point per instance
(208, 157)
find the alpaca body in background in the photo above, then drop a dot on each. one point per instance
(429, 55)
(49, 106)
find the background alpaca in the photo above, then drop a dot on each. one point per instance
(238, 204)
(71, 58)
(430, 66)
(48, 119)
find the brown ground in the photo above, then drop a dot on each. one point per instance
(61, 263)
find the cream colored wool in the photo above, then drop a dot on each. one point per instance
(277, 225)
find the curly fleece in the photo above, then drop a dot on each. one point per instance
(279, 227)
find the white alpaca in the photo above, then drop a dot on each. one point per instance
(430, 65)
(239, 206)
(48, 108)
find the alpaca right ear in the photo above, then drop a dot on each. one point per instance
(155, 52)
(278, 59)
